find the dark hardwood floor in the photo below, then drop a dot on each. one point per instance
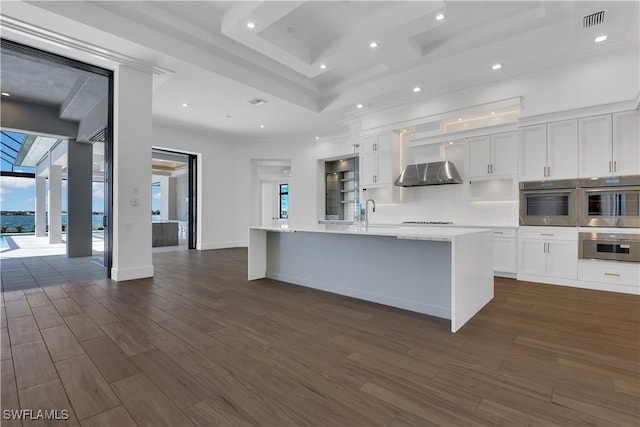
(198, 344)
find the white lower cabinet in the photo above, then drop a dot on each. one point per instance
(504, 252)
(550, 252)
(610, 272)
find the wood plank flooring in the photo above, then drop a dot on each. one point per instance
(199, 345)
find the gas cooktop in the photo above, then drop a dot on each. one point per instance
(428, 222)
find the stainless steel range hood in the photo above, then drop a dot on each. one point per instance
(436, 173)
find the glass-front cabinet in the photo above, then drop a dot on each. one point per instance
(341, 189)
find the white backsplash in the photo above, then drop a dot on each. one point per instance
(446, 203)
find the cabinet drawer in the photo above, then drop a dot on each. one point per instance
(618, 273)
(548, 233)
(505, 232)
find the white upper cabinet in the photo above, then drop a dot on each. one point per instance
(596, 146)
(373, 143)
(533, 152)
(376, 160)
(492, 155)
(626, 143)
(478, 156)
(549, 151)
(609, 145)
(562, 149)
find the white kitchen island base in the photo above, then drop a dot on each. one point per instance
(446, 273)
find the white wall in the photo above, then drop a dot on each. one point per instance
(219, 220)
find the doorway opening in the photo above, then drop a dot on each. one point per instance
(173, 200)
(272, 191)
(56, 127)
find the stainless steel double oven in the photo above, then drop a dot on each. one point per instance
(612, 202)
(596, 202)
(549, 203)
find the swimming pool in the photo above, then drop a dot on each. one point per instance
(3, 243)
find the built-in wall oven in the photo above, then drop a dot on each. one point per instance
(549, 203)
(609, 246)
(610, 202)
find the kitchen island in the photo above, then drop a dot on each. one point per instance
(441, 271)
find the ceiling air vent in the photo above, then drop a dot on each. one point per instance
(593, 19)
(257, 101)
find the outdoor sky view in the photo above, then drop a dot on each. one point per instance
(17, 194)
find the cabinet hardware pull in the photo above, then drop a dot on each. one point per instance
(615, 166)
(546, 234)
(498, 232)
(491, 167)
(488, 170)
(609, 166)
(612, 274)
(548, 170)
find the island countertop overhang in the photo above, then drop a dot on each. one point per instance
(447, 234)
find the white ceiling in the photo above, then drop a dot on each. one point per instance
(217, 64)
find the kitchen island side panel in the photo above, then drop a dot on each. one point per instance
(411, 274)
(472, 281)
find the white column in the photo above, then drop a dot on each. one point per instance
(132, 175)
(41, 206)
(55, 204)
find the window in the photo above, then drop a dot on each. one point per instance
(284, 201)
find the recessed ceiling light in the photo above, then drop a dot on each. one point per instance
(6, 94)
(404, 130)
(251, 25)
(459, 119)
(417, 89)
(317, 137)
(261, 126)
(323, 66)
(359, 106)
(184, 104)
(373, 45)
(496, 66)
(450, 142)
(439, 17)
(493, 113)
(600, 38)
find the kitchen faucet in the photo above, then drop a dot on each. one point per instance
(366, 211)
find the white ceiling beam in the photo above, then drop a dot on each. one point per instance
(265, 37)
(73, 93)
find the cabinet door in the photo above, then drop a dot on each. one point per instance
(478, 156)
(533, 152)
(367, 169)
(383, 141)
(367, 144)
(504, 149)
(532, 258)
(504, 255)
(562, 149)
(562, 259)
(594, 135)
(626, 143)
(383, 172)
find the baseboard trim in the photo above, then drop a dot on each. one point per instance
(220, 245)
(608, 287)
(122, 274)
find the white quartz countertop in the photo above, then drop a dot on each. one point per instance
(448, 233)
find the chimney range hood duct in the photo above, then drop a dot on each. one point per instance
(436, 173)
